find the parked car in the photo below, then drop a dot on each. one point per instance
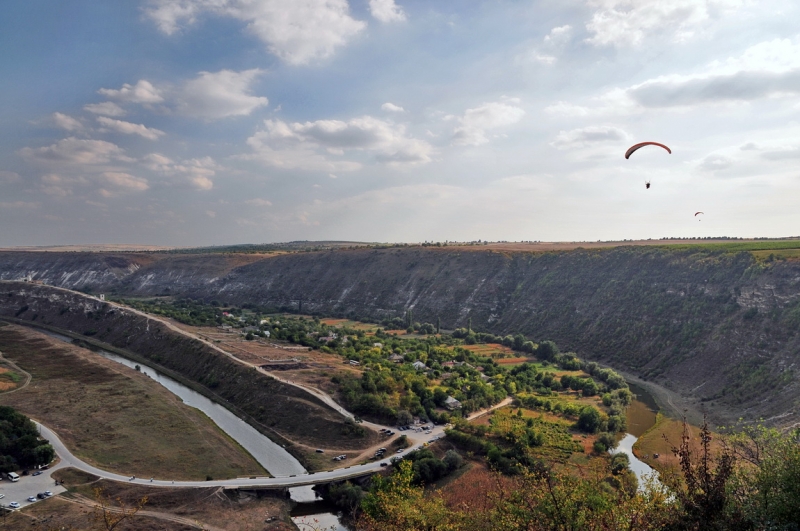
(48, 493)
(14, 505)
(41, 495)
(31, 498)
(2, 496)
(384, 463)
(37, 473)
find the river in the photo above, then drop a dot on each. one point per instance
(640, 416)
(310, 511)
(275, 459)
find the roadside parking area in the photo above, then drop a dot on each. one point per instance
(27, 486)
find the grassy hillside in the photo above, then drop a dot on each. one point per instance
(716, 320)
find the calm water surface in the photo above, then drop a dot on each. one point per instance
(640, 416)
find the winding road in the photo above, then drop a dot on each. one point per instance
(313, 478)
(417, 439)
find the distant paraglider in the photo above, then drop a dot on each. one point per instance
(696, 213)
(643, 144)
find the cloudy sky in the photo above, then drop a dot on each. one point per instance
(202, 122)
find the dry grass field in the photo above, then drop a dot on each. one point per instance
(115, 417)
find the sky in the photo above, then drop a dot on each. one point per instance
(212, 122)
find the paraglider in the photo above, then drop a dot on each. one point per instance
(643, 144)
(695, 215)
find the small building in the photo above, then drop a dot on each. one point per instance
(451, 403)
(419, 365)
(102, 296)
(355, 363)
(449, 364)
(396, 358)
(377, 345)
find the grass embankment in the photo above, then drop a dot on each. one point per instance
(660, 439)
(116, 418)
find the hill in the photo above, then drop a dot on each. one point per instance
(717, 322)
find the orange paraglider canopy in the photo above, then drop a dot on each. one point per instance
(641, 145)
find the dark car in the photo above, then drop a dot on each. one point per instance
(41, 495)
(37, 473)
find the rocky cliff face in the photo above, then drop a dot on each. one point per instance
(719, 326)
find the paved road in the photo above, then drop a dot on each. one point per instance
(418, 439)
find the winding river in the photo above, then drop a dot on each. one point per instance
(640, 416)
(311, 512)
(275, 459)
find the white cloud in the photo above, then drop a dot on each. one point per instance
(559, 36)
(107, 108)
(129, 128)
(66, 122)
(766, 70)
(76, 151)
(553, 43)
(297, 32)
(142, 92)
(220, 95)
(386, 11)
(301, 145)
(478, 121)
(259, 202)
(195, 172)
(715, 162)
(629, 22)
(125, 181)
(391, 107)
(589, 135)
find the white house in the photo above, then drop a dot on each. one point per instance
(419, 365)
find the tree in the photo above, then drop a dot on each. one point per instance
(702, 489)
(589, 419)
(404, 417)
(20, 444)
(453, 460)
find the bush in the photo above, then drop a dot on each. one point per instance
(589, 420)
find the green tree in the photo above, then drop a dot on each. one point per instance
(589, 419)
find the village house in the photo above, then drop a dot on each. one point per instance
(451, 403)
(396, 358)
(418, 365)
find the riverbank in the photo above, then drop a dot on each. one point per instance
(115, 417)
(669, 402)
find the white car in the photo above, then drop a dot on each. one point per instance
(2, 496)
(31, 498)
(14, 505)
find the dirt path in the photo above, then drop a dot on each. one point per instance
(18, 369)
(82, 500)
